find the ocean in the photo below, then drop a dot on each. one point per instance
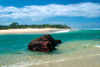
(78, 45)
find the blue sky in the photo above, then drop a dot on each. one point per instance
(74, 13)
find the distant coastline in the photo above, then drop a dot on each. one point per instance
(15, 25)
(15, 28)
(33, 30)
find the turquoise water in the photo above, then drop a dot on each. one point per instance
(14, 46)
(19, 42)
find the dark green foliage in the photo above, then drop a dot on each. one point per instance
(16, 25)
(4, 27)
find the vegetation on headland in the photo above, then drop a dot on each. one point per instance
(15, 25)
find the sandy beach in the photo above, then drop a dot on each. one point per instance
(83, 62)
(88, 58)
(30, 31)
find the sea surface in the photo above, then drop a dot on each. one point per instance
(80, 43)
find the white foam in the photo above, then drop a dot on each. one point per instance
(61, 31)
(91, 28)
(23, 64)
(97, 46)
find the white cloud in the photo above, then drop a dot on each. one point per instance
(33, 12)
(8, 23)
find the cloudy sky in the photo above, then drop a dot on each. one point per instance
(74, 13)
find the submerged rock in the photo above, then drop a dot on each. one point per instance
(45, 43)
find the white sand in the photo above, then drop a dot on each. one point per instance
(30, 30)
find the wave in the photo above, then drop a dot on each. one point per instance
(23, 64)
(90, 28)
(62, 31)
(97, 46)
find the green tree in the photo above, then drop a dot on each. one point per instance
(14, 25)
(65, 26)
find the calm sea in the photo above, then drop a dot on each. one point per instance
(14, 52)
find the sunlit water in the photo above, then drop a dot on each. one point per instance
(75, 44)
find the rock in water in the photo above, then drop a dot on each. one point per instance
(45, 43)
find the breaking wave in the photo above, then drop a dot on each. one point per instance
(22, 64)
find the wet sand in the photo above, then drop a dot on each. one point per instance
(88, 58)
(84, 58)
(93, 61)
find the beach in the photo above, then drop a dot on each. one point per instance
(79, 48)
(49, 33)
(30, 30)
(87, 57)
(85, 62)
(73, 60)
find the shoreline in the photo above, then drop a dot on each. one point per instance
(83, 58)
(71, 53)
(32, 30)
(77, 59)
(78, 62)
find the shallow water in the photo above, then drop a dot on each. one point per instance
(76, 44)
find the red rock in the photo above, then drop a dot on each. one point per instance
(58, 41)
(44, 43)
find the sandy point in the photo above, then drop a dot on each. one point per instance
(30, 30)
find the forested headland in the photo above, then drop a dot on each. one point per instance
(15, 25)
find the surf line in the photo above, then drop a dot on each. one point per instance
(23, 64)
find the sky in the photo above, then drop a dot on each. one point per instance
(73, 13)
